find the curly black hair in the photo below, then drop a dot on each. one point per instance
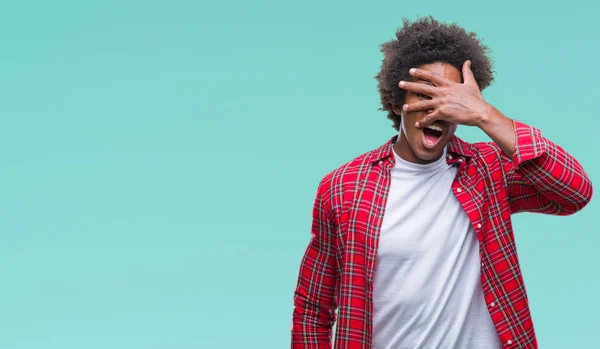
(426, 41)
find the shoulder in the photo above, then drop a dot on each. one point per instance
(486, 153)
(489, 152)
(492, 157)
(348, 173)
(339, 185)
(487, 165)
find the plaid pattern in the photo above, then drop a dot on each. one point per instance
(338, 266)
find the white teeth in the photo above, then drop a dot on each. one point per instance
(435, 128)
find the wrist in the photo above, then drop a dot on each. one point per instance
(488, 117)
(499, 128)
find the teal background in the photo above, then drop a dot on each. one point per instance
(160, 159)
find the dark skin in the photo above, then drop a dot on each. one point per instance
(438, 96)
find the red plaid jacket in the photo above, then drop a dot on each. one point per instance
(337, 269)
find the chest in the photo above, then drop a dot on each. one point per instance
(375, 193)
(421, 215)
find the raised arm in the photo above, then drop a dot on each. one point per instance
(541, 176)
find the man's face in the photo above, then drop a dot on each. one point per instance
(423, 145)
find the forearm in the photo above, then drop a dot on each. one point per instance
(313, 315)
(311, 325)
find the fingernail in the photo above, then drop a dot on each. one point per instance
(417, 124)
(412, 70)
(405, 106)
(402, 83)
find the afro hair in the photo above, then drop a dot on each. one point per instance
(426, 41)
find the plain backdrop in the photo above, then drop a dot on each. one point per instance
(159, 159)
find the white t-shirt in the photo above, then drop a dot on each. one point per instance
(427, 287)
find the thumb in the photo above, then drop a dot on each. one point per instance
(468, 76)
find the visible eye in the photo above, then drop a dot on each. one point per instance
(422, 96)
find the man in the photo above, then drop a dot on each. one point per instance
(412, 242)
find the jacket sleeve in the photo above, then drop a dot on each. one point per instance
(314, 309)
(544, 178)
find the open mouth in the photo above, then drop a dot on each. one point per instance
(432, 134)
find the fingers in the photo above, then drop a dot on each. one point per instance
(416, 87)
(422, 105)
(430, 76)
(468, 76)
(428, 119)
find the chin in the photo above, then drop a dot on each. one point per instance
(430, 152)
(429, 155)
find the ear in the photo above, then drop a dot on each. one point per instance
(397, 110)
